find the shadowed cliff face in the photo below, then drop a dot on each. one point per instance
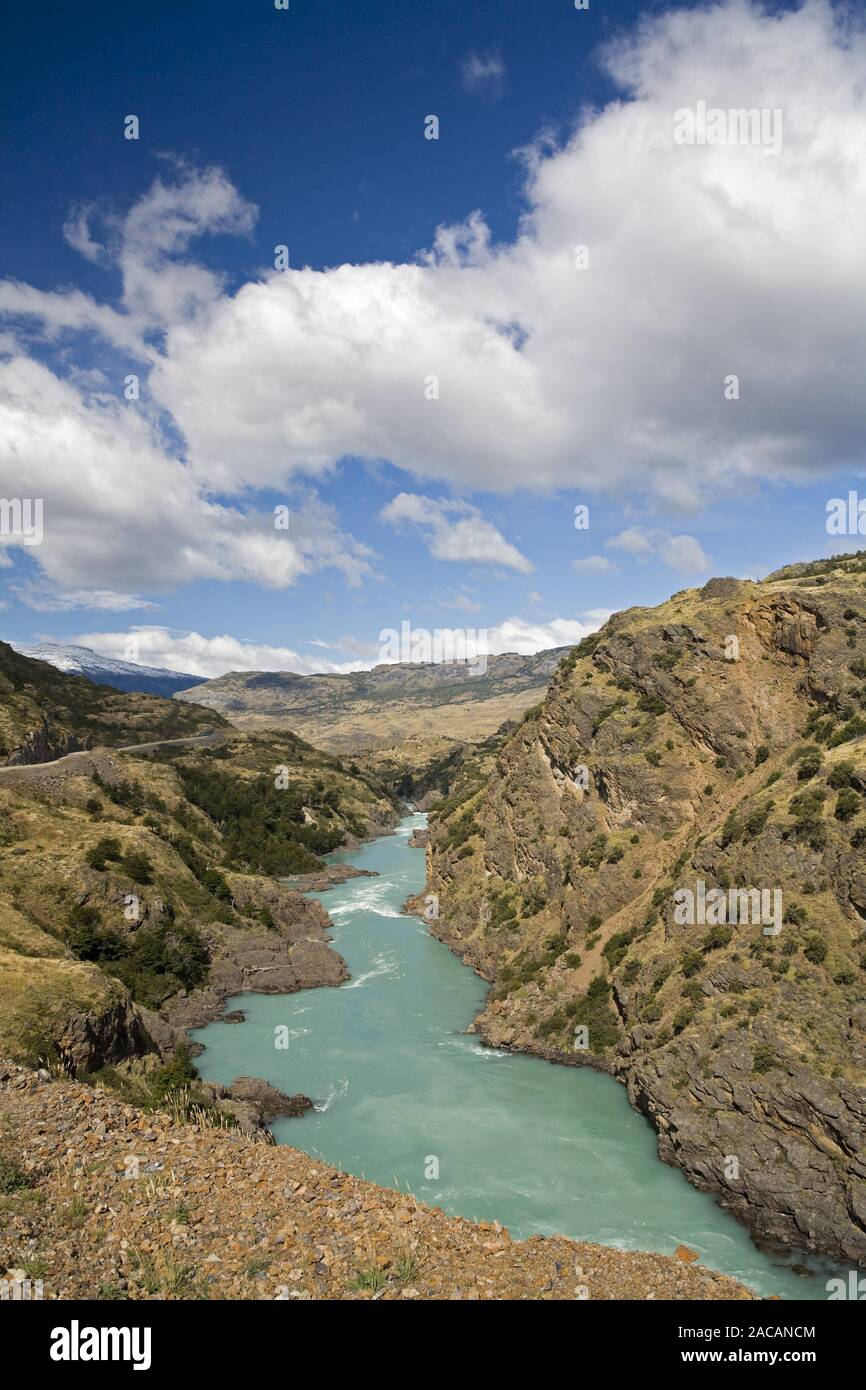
(597, 875)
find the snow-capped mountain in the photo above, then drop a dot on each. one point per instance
(105, 670)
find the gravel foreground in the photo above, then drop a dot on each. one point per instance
(215, 1214)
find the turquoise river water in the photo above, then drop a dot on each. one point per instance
(404, 1097)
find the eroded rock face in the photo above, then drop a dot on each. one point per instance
(253, 1103)
(45, 744)
(674, 749)
(293, 953)
(783, 1151)
(87, 1041)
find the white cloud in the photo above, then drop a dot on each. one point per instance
(483, 73)
(704, 261)
(595, 564)
(682, 553)
(76, 232)
(632, 541)
(520, 635)
(454, 531)
(41, 598)
(196, 655)
(121, 513)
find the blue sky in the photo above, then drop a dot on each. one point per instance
(307, 388)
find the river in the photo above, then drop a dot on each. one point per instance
(404, 1097)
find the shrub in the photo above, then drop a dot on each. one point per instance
(137, 865)
(853, 728)
(841, 776)
(691, 963)
(815, 948)
(809, 765)
(651, 704)
(796, 914)
(848, 804)
(594, 1011)
(717, 937)
(682, 1019)
(99, 854)
(762, 753)
(593, 854)
(764, 1059)
(757, 820)
(616, 947)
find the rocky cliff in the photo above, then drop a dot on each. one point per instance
(663, 875)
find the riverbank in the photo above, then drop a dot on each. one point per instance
(210, 1213)
(404, 1097)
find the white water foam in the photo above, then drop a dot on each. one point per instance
(384, 965)
(336, 1093)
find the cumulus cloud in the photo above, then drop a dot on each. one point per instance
(594, 564)
(121, 513)
(197, 655)
(454, 531)
(703, 261)
(682, 553)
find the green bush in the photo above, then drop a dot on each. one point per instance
(651, 704)
(137, 865)
(691, 962)
(717, 937)
(99, 854)
(848, 804)
(764, 1059)
(815, 948)
(594, 1011)
(809, 765)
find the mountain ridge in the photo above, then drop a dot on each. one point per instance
(718, 739)
(128, 676)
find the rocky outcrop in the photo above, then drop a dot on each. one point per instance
(715, 744)
(253, 1103)
(45, 744)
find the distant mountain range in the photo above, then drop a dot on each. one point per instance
(368, 710)
(105, 670)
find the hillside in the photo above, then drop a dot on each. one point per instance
(715, 742)
(104, 670)
(79, 713)
(387, 705)
(137, 891)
